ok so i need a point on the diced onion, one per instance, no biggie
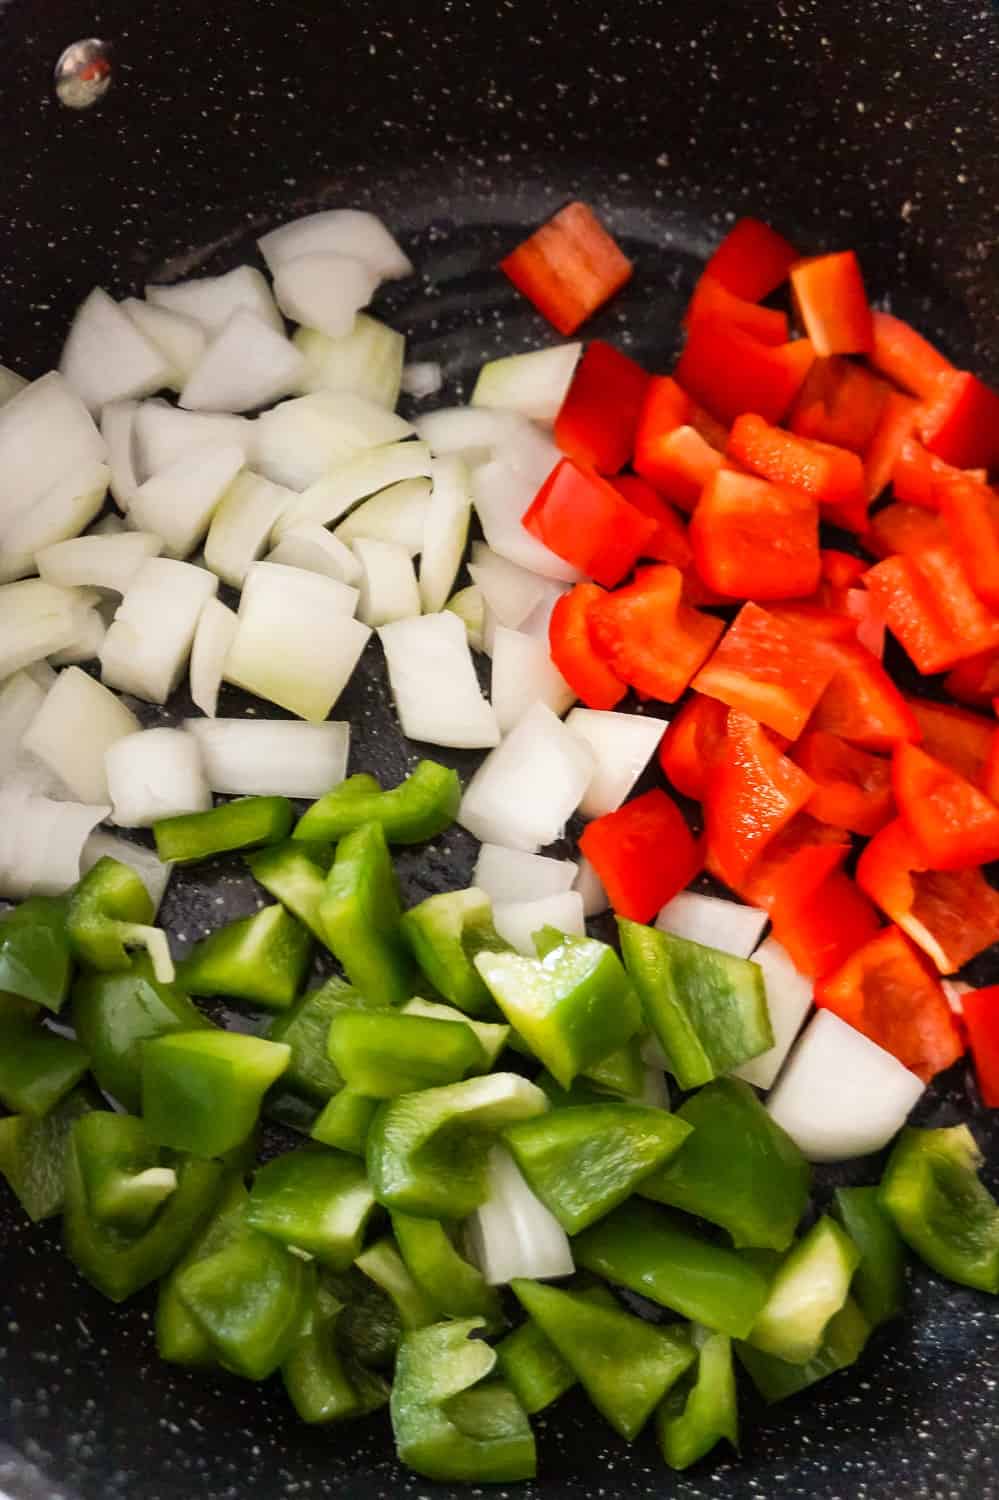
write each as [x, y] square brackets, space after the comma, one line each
[445, 531]
[41, 842]
[501, 496]
[146, 648]
[337, 231]
[38, 619]
[162, 434]
[470, 607]
[212, 300]
[242, 524]
[62, 512]
[106, 357]
[46, 433]
[433, 682]
[511, 592]
[534, 384]
[511, 875]
[151, 870]
[180, 340]
[155, 774]
[655, 1089]
[246, 365]
[298, 441]
[524, 673]
[316, 550]
[91, 628]
[11, 384]
[714, 922]
[324, 291]
[538, 622]
[352, 480]
[212, 642]
[178, 502]
[469, 430]
[20, 699]
[422, 378]
[117, 428]
[367, 361]
[100, 562]
[526, 790]
[518, 921]
[622, 745]
[513, 1234]
[271, 757]
[789, 999]
[388, 587]
[397, 515]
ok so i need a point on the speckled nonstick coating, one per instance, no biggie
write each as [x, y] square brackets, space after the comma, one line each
[461, 123]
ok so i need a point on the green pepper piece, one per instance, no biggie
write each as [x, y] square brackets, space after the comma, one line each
[941, 1207]
[583, 1161]
[315, 1199]
[201, 1090]
[35, 957]
[323, 1383]
[579, 1091]
[125, 1180]
[115, 1013]
[653, 1253]
[16, 1008]
[179, 1337]
[370, 1327]
[878, 1285]
[120, 1265]
[625, 1365]
[383, 1265]
[419, 808]
[263, 958]
[810, 1286]
[295, 874]
[572, 1007]
[439, 1432]
[385, 1053]
[427, 1152]
[708, 1009]
[492, 1036]
[345, 1122]
[37, 1068]
[111, 911]
[842, 1345]
[305, 1027]
[445, 933]
[285, 1107]
[360, 914]
[620, 1073]
[241, 824]
[531, 1365]
[453, 1286]
[33, 1154]
[694, 1418]
[738, 1168]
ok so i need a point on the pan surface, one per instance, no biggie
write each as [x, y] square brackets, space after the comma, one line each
[462, 125]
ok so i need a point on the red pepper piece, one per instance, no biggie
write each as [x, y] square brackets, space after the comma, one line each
[906, 530]
[711, 299]
[573, 652]
[989, 778]
[815, 620]
[902, 354]
[683, 464]
[954, 823]
[931, 608]
[568, 267]
[693, 743]
[959, 421]
[861, 703]
[975, 680]
[971, 512]
[917, 475]
[754, 539]
[840, 403]
[669, 542]
[581, 517]
[981, 1019]
[677, 470]
[885, 990]
[898, 417]
[821, 930]
[841, 570]
[754, 792]
[835, 476]
[959, 738]
[765, 669]
[828, 291]
[598, 419]
[648, 637]
[852, 787]
[795, 864]
[644, 853]
[730, 372]
[752, 260]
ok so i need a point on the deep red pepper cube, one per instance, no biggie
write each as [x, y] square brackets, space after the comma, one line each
[644, 854]
[582, 518]
[598, 418]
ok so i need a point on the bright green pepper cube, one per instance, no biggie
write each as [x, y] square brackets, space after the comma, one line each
[315, 1199]
[385, 1053]
[295, 875]
[842, 1345]
[243, 823]
[369, 1328]
[531, 1365]
[179, 1338]
[941, 1207]
[323, 1383]
[445, 933]
[584, 1161]
[35, 957]
[360, 915]
[263, 958]
[125, 1180]
[492, 1036]
[305, 1027]
[419, 808]
[738, 1169]
[202, 1090]
[620, 1073]
[453, 1286]
[572, 1007]
[810, 1287]
[33, 1153]
[878, 1285]
[111, 911]
[383, 1265]
[694, 1418]
[37, 1068]
[345, 1121]
[707, 1008]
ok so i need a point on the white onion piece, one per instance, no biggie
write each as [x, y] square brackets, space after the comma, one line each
[465, 429]
[470, 607]
[511, 875]
[38, 619]
[180, 340]
[117, 428]
[46, 433]
[146, 648]
[534, 384]
[62, 512]
[518, 921]
[316, 550]
[388, 587]
[41, 674]
[20, 699]
[396, 515]
[445, 531]
[524, 673]
[513, 1234]
[422, 378]
[368, 361]
[622, 745]
[178, 502]
[100, 562]
[106, 357]
[714, 922]
[164, 434]
[272, 757]
[351, 480]
[212, 642]
[212, 300]
[152, 871]
[41, 842]
[242, 524]
[433, 682]
[501, 496]
[296, 644]
[526, 790]
[110, 524]
[840, 1095]
[156, 773]
[248, 364]
[337, 231]
[324, 291]
[510, 592]
[789, 999]
[301, 440]
[538, 622]
[91, 628]
[11, 384]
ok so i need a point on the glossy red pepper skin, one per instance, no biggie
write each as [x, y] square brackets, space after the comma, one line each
[828, 291]
[821, 930]
[970, 511]
[931, 608]
[754, 792]
[835, 476]
[568, 267]
[959, 421]
[840, 403]
[711, 299]
[954, 823]
[597, 421]
[981, 1018]
[906, 531]
[897, 420]
[583, 518]
[961, 739]
[752, 260]
[730, 372]
[673, 464]
[752, 538]
[648, 637]
[917, 475]
[644, 854]
[693, 743]
[861, 703]
[795, 863]
[902, 354]
[573, 651]
[764, 669]
[975, 680]
[684, 463]
[853, 788]
[669, 542]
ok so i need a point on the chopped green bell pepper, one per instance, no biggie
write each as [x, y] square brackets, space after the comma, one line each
[580, 1091]
[284, 1107]
[384, 1053]
[694, 1418]
[305, 1028]
[323, 1382]
[453, 1286]
[427, 1152]
[37, 1068]
[370, 1327]
[110, 911]
[651, 1252]
[125, 1178]
[15, 1008]
[941, 1207]
[583, 1161]
[295, 874]
[360, 914]
[35, 956]
[448, 1425]
[842, 1345]
[809, 1288]
[737, 1169]
[707, 1008]
[315, 1199]
[33, 1153]
[202, 1090]
[878, 1285]
[419, 808]
[445, 933]
[383, 1265]
[263, 958]
[345, 1121]
[241, 824]
[492, 1036]
[179, 1337]
[531, 1365]
[620, 1073]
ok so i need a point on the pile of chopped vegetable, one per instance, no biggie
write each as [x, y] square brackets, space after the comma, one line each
[485, 1144]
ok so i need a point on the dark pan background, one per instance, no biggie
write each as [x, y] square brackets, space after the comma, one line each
[462, 123]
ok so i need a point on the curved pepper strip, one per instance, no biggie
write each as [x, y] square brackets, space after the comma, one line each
[693, 743]
[295, 875]
[345, 1121]
[383, 1265]
[941, 1207]
[361, 916]
[453, 1286]
[878, 1284]
[809, 1288]
[954, 824]
[648, 636]
[179, 1338]
[241, 824]
[385, 1053]
[694, 1418]
[317, 1200]
[444, 934]
[531, 1365]
[419, 808]
[573, 650]
[124, 1175]
[323, 1382]
[582, 518]
[33, 1153]
[835, 476]
[776, 1379]
[753, 793]
[35, 957]
[111, 910]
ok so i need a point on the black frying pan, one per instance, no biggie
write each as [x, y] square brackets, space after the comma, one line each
[462, 122]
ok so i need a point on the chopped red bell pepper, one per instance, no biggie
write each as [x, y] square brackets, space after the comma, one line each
[906, 530]
[573, 651]
[568, 267]
[828, 291]
[754, 791]
[869, 619]
[954, 823]
[975, 680]
[961, 739]
[730, 372]
[648, 637]
[971, 512]
[852, 787]
[931, 608]
[989, 777]
[841, 570]
[682, 464]
[981, 1020]
[755, 539]
[644, 854]
[693, 743]
[917, 475]
[598, 419]
[765, 669]
[752, 260]
[898, 417]
[814, 620]
[711, 299]
[835, 476]
[820, 930]
[902, 354]
[886, 991]
[861, 704]
[669, 542]
[581, 517]
[840, 403]
[959, 421]
[795, 864]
